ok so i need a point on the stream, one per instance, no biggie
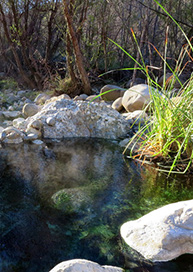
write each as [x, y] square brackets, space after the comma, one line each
[66, 200]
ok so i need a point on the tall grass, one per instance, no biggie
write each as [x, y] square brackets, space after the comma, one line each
[167, 137]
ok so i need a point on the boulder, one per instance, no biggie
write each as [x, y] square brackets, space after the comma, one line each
[11, 114]
[30, 109]
[41, 98]
[55, 98]
[80, 97]
[35, 127]
[171, 79]
[93, 98]
[136, 97]
[111, 95]
[163, 234]
[12, 135]
[137, 81]
[117, 104]
[19, 123]
[11, 98]
[80, 265]
[79, 119]
[137, 116]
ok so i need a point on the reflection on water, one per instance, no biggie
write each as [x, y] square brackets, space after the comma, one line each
[68, 200]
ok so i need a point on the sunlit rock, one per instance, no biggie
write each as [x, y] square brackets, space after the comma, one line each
[80, 265]
[41, 98]
[111, 92]
[117, 104]
[163, 234]
[12, 135]
[138, 116]
[80, 119]
[136, 97]
[30, 109]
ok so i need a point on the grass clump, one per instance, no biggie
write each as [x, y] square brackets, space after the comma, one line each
[167, 137]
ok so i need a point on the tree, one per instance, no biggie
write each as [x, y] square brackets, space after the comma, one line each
[29, 32]
[76, 46]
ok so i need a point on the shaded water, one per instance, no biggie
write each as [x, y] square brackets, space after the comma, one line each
[68, 200]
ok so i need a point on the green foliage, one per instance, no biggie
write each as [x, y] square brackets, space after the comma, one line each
[167, 135]
[8, 83]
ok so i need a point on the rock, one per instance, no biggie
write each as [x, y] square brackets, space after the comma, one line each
[170, 79]
[136, 97]
[19, 123]
[80, 119]
[137, 81]
[117, 104]
[37, 142]
[37, 124]
[12, 135]
[80, 97]
[11, 98]
[55, 98]
[21, 93]
[10, 108]
[35, 127]
[76, 98]
[1, 130]
[11, 114]
[30, 109]
[124, 142]
[31, 137]
[7, 123]
[93, 98]
[80, 265]
[51, 121]
[137, 116]
[163, 234]
[111, 95]
[41, 98]
[83, 96]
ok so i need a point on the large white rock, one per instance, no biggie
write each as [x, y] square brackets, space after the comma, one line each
[80, 119]
[136, 97]
[162, 234]
[80, 265]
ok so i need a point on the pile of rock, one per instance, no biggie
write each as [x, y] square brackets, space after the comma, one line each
[84, 116]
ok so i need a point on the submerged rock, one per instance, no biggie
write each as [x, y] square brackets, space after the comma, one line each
[80, 265]
[163, 234]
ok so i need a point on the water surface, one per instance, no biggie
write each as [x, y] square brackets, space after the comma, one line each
[68, 200]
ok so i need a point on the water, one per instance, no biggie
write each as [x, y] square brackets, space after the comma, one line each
[68, 200]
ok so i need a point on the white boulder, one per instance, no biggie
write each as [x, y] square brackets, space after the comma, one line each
[80, 265]
[136, 97]
[163, 234]
[79, 119]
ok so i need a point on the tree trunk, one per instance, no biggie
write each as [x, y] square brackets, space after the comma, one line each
[77, 51]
